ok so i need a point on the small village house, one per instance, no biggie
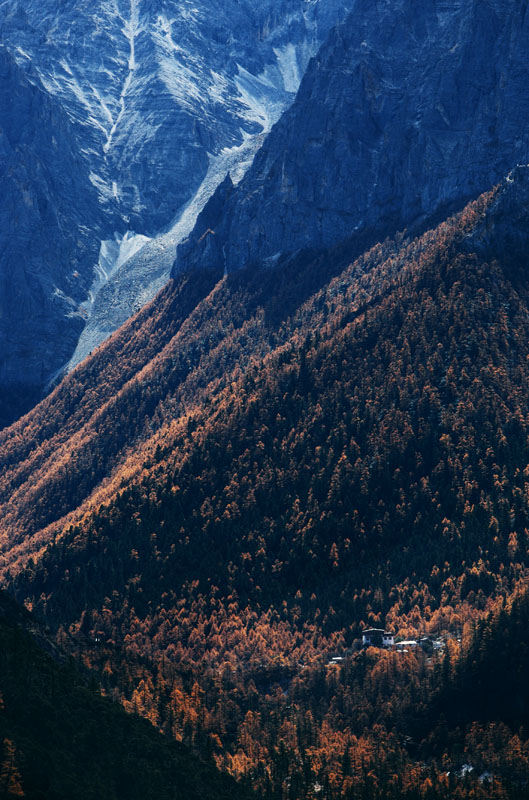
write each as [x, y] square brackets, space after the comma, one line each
[377, 637]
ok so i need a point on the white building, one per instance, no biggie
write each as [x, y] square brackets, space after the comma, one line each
[377, 637]
[407, 644]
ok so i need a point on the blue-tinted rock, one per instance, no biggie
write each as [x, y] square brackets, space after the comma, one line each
[408, 110]
[49, 218]
[154, 94]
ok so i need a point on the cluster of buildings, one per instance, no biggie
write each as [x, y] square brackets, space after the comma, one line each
[378, 637]
[385, 640]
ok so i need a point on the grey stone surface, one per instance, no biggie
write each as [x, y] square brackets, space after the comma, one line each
[49, 217]
[157, 85]
[409, 109]
[157, 95]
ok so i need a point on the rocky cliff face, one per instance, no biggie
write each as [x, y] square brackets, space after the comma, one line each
[159, 99]
[49, 218]
[156, 85]
[408, 109]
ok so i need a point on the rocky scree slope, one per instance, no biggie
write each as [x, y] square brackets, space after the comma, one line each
[163, 99]
[407, 111]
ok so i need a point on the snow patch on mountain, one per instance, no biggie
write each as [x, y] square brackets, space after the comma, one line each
[218, 88]
[181, 81]
[287, 58]
[164, 99]
[258, 96]
[130, 30]
[105, 191]
[113, 253]
[133, 268]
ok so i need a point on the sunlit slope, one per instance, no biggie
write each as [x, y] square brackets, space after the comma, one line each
[380, 422]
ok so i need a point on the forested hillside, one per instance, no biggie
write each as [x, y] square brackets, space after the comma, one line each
[219, 500]
[59, 739]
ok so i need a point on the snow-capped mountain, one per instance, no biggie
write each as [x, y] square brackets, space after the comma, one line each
[164, 98]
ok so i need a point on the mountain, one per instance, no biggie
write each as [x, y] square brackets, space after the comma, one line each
[142, 409]
[278, 452]
[49, 215]
[259, 465]
[159, 102]
[60, 739]
[156, 101]
[406, 112]
[157, 87]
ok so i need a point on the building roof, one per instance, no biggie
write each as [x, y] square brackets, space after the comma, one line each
[377, 630]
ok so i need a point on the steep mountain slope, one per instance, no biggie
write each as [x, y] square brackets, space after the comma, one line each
[157, 86]
[241, 478]
[162, 99]
[408, 110]
[211, 340]
[60, 740]
[49, 216]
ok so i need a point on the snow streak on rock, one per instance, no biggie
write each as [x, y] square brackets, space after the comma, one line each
[164, 97]
[130, 32]
[132, 269]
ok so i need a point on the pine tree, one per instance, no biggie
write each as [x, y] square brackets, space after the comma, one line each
[10, 778]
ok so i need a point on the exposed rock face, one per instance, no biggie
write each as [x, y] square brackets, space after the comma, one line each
[161, 97]
[409, 109]
[406, 110]
[157, 85]
[49, 218]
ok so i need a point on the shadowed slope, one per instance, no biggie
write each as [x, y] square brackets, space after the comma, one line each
[372, 372]
[60, 740]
